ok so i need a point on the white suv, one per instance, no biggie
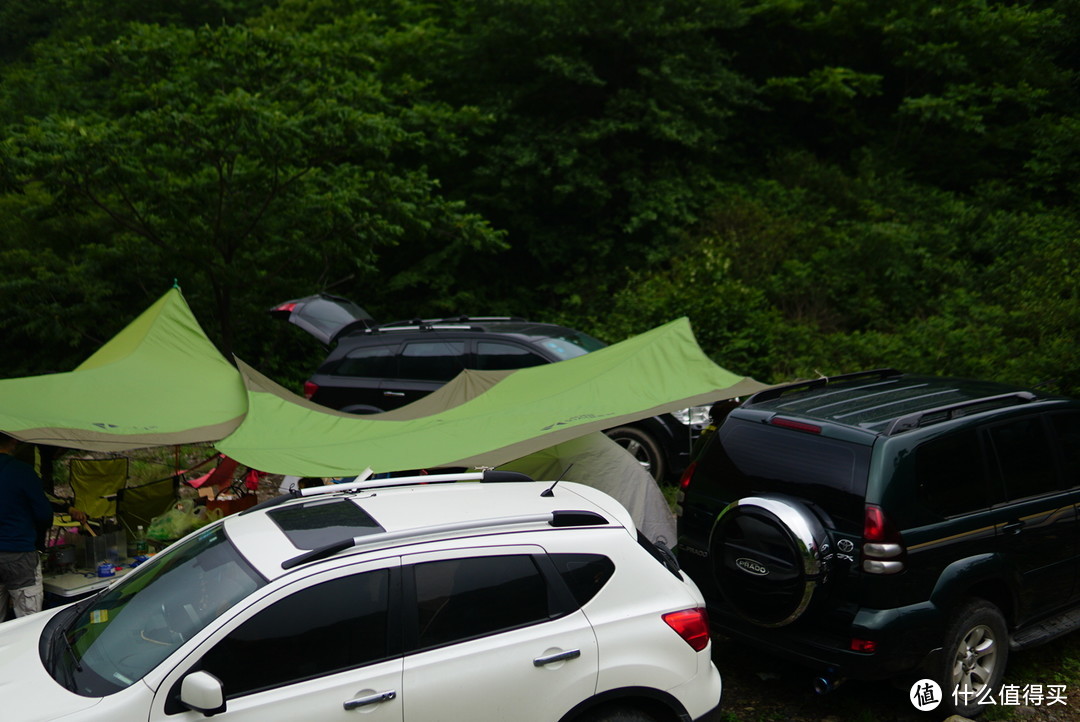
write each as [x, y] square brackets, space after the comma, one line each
[400, 599]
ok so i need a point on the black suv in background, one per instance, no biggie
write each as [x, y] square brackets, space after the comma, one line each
[880, 525]
[375, 367]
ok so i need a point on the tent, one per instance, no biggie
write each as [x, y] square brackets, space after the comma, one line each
[597, 461]
[522, 412]
[158, 382]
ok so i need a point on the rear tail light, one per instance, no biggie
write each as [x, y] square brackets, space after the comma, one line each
[867, 646]
[883, 550]
[310, 389]
[285, 307]
[684, 480]
[692, 625]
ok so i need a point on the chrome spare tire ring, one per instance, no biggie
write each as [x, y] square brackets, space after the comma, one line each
[747, 570]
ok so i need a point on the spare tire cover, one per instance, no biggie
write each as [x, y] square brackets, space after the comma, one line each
[768, 556]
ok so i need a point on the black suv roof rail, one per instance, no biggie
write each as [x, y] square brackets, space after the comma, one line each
[456, 323]
[778, 391]
[951, 411]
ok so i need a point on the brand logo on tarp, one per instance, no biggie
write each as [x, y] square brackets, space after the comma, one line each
[751, 566]
[575, 420]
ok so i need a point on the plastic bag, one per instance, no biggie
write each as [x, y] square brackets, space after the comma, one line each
[181, 519]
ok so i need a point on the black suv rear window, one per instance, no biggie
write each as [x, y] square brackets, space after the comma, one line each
[755, 458]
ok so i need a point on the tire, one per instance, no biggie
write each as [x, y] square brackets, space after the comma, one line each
[974, 656]
[643, 447]
[361, 410]
[618, 713]
[769, 556]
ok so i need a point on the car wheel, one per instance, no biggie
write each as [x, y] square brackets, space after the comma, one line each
[769, 556]
[618, 713]
[642, 447]
[974, 657]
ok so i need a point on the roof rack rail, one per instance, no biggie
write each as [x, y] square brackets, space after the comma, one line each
[489, 476]
[778, 391]
[557, 518]
[466, 318]
[952, 411]
[445, 319]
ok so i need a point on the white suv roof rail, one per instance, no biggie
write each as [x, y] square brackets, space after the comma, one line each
[557, 518]
[488, 475]
[364, 482]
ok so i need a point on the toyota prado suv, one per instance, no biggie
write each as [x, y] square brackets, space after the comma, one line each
[880, 525]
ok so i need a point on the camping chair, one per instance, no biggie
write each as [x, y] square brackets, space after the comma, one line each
[95, 482]
[136, 506]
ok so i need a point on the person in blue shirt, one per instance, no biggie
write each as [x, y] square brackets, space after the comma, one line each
[24, 513]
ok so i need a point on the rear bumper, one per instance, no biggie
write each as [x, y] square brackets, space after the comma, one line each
[701, 695]
[907, 638]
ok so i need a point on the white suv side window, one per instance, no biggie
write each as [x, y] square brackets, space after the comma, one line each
[337, 625]
[460, 599]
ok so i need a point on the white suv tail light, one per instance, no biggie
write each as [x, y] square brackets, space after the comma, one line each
[692, 625]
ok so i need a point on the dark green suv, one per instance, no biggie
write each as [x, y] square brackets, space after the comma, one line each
[880, 525]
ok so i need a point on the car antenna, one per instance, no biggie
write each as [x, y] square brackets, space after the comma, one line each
[548, 491]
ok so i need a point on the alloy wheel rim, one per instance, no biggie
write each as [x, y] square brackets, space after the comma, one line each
[974, 664]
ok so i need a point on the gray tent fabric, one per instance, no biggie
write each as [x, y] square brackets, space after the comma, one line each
[597, 461]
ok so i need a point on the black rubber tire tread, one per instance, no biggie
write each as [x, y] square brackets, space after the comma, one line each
[618, 713]
[974, 613]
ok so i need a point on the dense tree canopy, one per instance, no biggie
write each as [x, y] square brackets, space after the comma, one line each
[820, 185]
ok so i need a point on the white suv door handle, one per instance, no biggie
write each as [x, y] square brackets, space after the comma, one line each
[370, 699]
[560, 657]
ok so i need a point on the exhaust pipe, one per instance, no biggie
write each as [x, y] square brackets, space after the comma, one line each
[827, 683]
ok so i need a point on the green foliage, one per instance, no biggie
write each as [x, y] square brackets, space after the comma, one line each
[820, 185]
[607, 128]
[241, 159]
[834, 273]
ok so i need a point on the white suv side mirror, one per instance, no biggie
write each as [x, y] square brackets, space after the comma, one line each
[202, 692]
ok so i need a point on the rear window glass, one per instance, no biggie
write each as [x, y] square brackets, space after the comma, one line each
[432, 361]
[315, 524]
[492, 356]
[1025, 459]
[755, 458]
[1067, 428]
[462, 599]
[950, 476]
[377, 362]
[570, 344]
[584, 574]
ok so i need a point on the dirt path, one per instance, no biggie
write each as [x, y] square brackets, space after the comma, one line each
[760, 688]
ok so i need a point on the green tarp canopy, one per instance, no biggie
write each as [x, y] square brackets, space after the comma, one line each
[158, 382]
[524, 411]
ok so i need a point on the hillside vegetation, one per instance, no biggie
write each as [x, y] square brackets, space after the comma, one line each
[820, 186]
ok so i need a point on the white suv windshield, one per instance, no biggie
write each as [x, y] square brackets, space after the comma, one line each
[111, 641]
